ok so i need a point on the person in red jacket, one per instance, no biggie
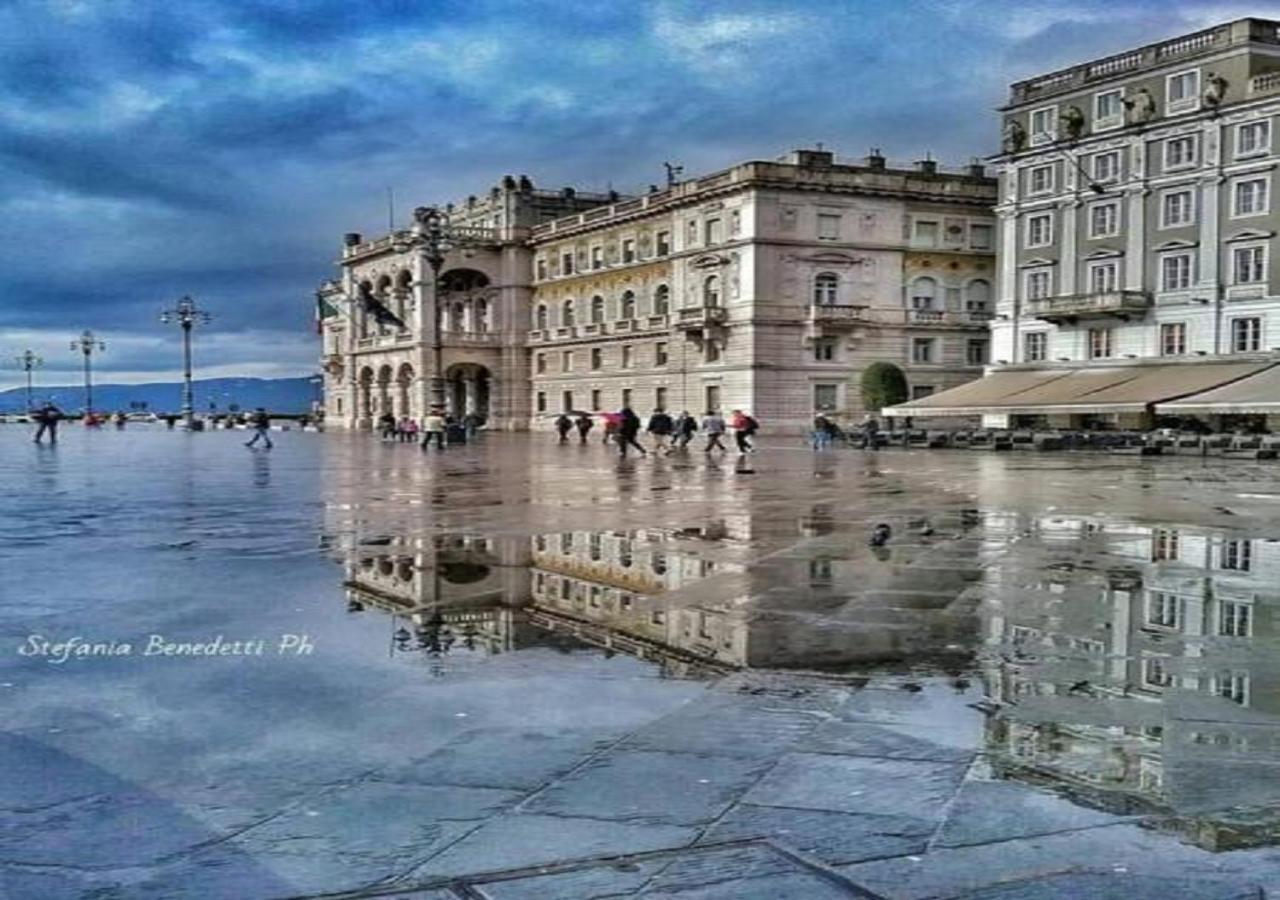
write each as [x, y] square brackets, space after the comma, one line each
[744, 428]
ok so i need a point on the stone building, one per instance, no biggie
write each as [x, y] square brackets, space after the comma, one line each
[1136, 225]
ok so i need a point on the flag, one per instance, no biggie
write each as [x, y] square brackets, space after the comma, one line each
[376, 308]
[324, 309]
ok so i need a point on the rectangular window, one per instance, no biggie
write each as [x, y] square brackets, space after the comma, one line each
[542, 401]
[1106, 167]
[926, 233]
[1177, 208]
[1104, 220]
[1249, 197]
[1104, 277]
[714, 234]
[1246, 335]
[1182, 92]
[1253, 138]
[1235, 619]
[662, 244]
[825, 397]
[595, 399]
[540, 363]
[1237, 556]
[1044, 125]
[710, 351]
[976, 353]
[566, 264]
[1040, 230]
[567, 401]
[1249, 264]
[824, 349]
[660, 354]
[1108, 110]
[597, 257]
[828, 227]
[566, 361]
[691, 234]
[1099, 343]
[626, 356]
[922, 350]
[981, 237]
[629, 250]
[1180, 152]
[712, 395]
[1173, 339]
[1038, 285]
[1164, 545]
[735, 223]
[626, 396]
[1163, 610]
[1040, 180]
[597, 357]
[1233, 686]
[542, 270]
[1035, 346]
[920, 391]
[660, 398]
[1175, 271]
[1155, 672]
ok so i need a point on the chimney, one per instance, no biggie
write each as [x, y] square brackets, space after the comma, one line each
[875, 160]
[613, 196]
[653, 189]
[812, 159]
[525, 184]
[567, 193]
[351, 238]
[508, 183]
[927, 166]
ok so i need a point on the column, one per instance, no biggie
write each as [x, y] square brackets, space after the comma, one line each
[1068, 264]
[1135, 256]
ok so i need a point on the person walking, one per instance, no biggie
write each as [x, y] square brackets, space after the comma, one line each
[563, 426]
[611, 422]
[433, 426]
[411, 431]
[387, 426]
[260, 422]
[472, 422]
[821, 435]
[46, 418]
[685, 428]
[661, 426]
[584, 425]
[628, 428]
[713, 426]
[870, 433]
[744, 427]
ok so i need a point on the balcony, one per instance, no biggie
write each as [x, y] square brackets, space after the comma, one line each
[948, 318]
[836, 316]
[471, 339]
[700, 318]
[1118, 304]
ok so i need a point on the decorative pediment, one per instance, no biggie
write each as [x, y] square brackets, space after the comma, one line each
[833, 258]
[709, 261]
[1037, 262]
[1176, 245]
[1105, 253]
[1250, 234]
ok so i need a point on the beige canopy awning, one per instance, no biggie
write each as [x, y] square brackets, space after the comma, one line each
[1097, 389]
[1258, 393]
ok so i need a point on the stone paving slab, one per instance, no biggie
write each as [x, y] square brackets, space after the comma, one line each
[987, 811]
[791, 886]
[654, 787]
[727, 726]
[858, 784]
[1092, 886]
[590, 883]
[831, 837]
[868, 739]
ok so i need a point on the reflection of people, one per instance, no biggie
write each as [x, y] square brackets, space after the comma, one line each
[563, 426]
[584, 425]
[46, 419]
[261, 424]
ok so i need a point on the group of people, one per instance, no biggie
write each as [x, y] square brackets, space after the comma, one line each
[434, 428]
[668, 434]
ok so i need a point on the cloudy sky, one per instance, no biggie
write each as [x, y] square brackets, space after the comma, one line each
[221, 147]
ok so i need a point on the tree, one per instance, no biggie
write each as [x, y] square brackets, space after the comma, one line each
[883, 384]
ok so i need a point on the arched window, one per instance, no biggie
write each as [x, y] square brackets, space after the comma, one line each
[628, 306]
[923, 290]
[597, 310]
[977, 296]
[826, 288]
[711, 291]
[540, 317]
[661, 300]
[566, 314]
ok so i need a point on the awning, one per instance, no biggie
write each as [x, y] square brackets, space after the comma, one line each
[1096, 389]
[1258, 393]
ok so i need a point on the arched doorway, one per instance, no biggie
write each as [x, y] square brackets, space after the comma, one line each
[384, 390]
[467, 389]
[404, 393]
[366, 393]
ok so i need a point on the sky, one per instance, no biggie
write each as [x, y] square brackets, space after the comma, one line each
[220, 148]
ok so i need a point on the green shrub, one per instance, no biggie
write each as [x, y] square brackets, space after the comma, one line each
[883, 384]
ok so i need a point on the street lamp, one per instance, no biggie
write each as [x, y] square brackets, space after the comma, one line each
[187, 315]
[29, 363]
[88, 344]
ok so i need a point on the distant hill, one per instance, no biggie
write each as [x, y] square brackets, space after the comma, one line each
[282, 395]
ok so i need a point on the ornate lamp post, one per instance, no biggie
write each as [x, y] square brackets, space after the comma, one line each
[29, 363]
[187, 316]
[88, 344]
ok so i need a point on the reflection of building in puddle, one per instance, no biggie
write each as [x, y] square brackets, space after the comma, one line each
[1135, 668]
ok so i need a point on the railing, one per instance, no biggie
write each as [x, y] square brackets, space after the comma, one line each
[1110, 303]
[1114, 65]
[1266, 83]
[830, 313]
[698, 316]
[658, 321]
[472, 338]
[1189, 44]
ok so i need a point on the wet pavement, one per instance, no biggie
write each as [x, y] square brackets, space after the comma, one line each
[524, 671]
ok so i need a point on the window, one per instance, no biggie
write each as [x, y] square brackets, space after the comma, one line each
[1249, 264]
[542, 270]
[826, 288]
[1237, 556]
[926, 233]
[977, 296]
[1253, 138]
[659, 398]
[691, 234]
[567, 401]
[540, 318]
[1155, 672]
[828, 227]
[824, 349]
[1164, 545]
[1038, 284]
[1035, 346]
[542, 401]
[922, 350]
[661, 300]
[597, 357]
[981, 237]
[660, 356]
[1180, 152]
[735, 222]
[711, 291]
[1040, 180]
[1233, 686]
[627, 309]
[1104, 220]
[629, 250]
[1099, 343]
[1173, 339]
[1235, 619]
[566, 263]
[540, 363]
[1044, 125]
[662, 244]
[1104, 277]
[1246, 335]
[710, 352]
[1106, 166]
[597, 257]
[626, 397]
[1108, 110]
[976, 352]
[567, 314]
[712, 396]
[1040, 230]
[825, 397]
[595, 399]
[626, 356]
[1249, 197]
[923, 290]
[920, 391]
[1176, 208]
[1163, 610]
[1175, 271]
[1182, 92]
[714, 231]
[566, 361]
